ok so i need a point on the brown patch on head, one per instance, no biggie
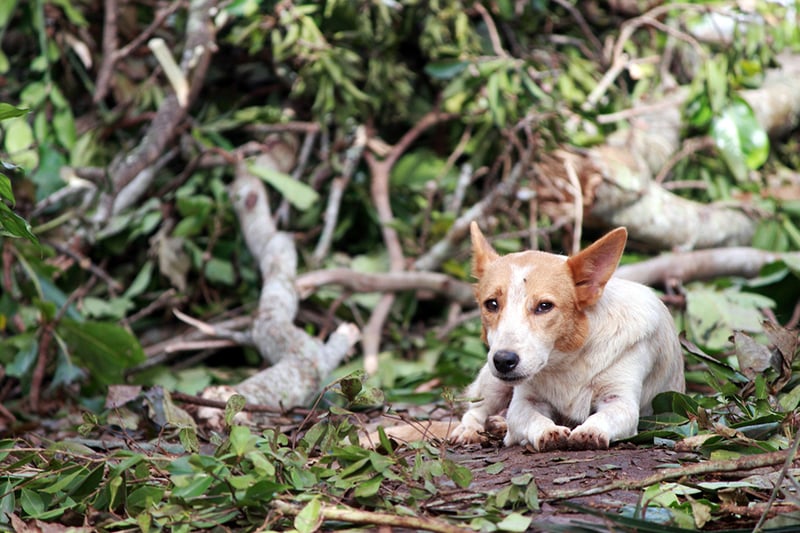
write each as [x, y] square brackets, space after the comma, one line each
[538, 290]
[533, 302]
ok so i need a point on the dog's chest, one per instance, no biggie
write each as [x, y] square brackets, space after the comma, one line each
[568, 392]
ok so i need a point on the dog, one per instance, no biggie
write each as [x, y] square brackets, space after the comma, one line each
[575, 355]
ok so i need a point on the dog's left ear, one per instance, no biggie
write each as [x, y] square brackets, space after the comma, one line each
[593, 267]
[482, 251]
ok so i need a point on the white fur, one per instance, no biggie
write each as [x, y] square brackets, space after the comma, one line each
[597, 392]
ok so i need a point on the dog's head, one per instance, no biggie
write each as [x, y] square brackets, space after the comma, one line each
[533, 303]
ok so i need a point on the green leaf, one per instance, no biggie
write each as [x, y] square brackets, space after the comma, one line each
[296, 192]
[368, 488]
[31, 502]
[233, 406]
[445, 70]
[713, 315]
[106, 349]
[242, 440]
[9, 111]
[6, 192]
[18, 137]
[740, 138]
[515, 522]
[13, 225]
[309, 517]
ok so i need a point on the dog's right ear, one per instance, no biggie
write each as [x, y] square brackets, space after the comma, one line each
[482, 251]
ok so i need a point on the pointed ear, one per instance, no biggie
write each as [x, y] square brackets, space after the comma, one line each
[482, 251]
[593, 267]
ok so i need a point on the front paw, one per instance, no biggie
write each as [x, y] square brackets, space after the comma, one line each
[550, 438]
[554, 438]
[588, 438]
[467, 432]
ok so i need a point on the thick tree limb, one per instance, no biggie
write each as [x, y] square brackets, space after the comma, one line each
[702, 264]
[300, 362]
[617, 177]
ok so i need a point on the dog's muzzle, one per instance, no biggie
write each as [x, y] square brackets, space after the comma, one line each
[505, 361]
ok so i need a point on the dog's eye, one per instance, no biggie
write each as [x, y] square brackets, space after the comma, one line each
[491, 305]
[544, 307]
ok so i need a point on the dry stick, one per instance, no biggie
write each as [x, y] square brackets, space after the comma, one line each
[110, 52]
[339, 184]
[379, 190]
[581, 21]
[282, 213]
[37, 377]
[438, 282]
[577, 198]
[690, 146]
[778, 482]
[749, 462]
[219, 404]
[491, 29]
[444, 248]
[619, 60]
[357, 516]
[198, 46]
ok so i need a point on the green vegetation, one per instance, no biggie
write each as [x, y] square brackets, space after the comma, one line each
[115, 211]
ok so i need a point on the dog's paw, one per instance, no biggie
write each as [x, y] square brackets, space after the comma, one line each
[588, 438]
[553, 438]
[467, 432]
[496, 426]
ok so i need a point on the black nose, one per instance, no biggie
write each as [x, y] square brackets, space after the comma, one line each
[505, 361]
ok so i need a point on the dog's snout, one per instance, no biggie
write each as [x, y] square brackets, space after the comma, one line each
[505, 361]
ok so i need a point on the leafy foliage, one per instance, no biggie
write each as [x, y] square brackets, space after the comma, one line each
[83, 293]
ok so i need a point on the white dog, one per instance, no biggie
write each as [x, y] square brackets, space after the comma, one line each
[574, 354]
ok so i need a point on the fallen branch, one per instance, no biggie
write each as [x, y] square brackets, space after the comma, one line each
[456, 290]
[197, 50]
[299, 361]
[380, 171]
[702, 264]
[617, 177]
[358, 516]
[749, 462]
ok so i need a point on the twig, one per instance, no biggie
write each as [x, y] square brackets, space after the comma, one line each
[585, 29]
[690, 146]
[358, 516]
[86, 264]
[110, 52]
[577, 199]
[491, 29]
[776, 489]
[219, 404]
[198, 46]
[379, 190]
[339, 184]
[749, 462]
[442, 249]
[282, 213]
[459, 291]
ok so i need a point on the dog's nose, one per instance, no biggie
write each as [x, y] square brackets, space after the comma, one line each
[505, 361]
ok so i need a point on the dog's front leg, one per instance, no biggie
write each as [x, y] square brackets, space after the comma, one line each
[529, 422]
[616, 417]
[493, 396]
